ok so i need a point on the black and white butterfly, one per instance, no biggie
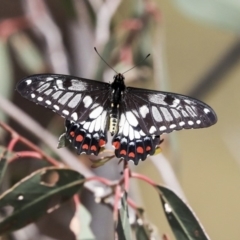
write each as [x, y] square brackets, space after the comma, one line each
[135, 117]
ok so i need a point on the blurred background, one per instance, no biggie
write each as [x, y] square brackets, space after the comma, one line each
[195, 50]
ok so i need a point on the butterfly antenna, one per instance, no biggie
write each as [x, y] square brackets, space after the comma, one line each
[103, 59]
[138, 63]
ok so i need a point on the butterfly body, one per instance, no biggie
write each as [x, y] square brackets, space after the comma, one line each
[135, 117]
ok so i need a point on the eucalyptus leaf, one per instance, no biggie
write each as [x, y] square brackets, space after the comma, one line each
[181, 218]
[123, 225]
[62, 141]
[37, 194]
[3, 162]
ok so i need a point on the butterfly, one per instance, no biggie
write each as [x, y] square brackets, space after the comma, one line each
[135, 117]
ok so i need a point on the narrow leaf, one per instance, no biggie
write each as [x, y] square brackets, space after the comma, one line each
[62, 141]
[38, 194]
[123, 226]
[3, 162]
[181, 218]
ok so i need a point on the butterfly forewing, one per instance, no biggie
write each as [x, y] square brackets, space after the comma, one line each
[72, 97]
[162, 112]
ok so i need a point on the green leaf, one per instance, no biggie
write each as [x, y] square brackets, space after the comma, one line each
[38, 194]
[3, 162]
[62, 141]
[28, 55]
[182, 220]
[222, 13]
[123, 225]
[85, 220]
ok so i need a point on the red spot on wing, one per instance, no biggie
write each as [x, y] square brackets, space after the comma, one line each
[148, 148]
[102, 142]
[139, 150]
[72, 134]
[79, 138]
[123, 152]
[116, 144]
[131, 154]
[93, 148]
[85, 146]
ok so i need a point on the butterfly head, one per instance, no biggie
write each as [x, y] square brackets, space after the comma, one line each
[119, 78]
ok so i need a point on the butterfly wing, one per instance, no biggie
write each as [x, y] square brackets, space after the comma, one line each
[73, 98]
[83, 102]
[146, 114]
[163, 112]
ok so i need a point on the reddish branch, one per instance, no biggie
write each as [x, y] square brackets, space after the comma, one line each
[17, 138]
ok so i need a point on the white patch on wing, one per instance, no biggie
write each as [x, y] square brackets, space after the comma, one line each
[33, 95]
[137, 134]
[91, 128]
[86, 125]
[184, 113]
[48, 91]
[96, 112]
[152, 130]
[103, 120]
[132, 120]
[156, 114]
[77, 85]
[206, 110]
[181, 123]
[175, 113]
[198, 121]
[48, 102]
[187, 101]
[28, 81]
[162, 128]
[131, 133]
[98, 123]
[87, 101]
[59, 84]
[190, 111]
[166, 113]
[49, 79]
[175, 102]
[124, 140]
[56, 107]
[142, 133]
[43, 87]
[126, 129]
[144, 111]
[66, 112]
[172, 126]
[65, 98]
[74, 101]
[190, 122]
[39, 99]
[57, 94]
[74, 116]
[157, 98]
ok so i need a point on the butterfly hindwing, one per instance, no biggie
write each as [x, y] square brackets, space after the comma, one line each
[156, 112]
[89, 139]
[73, 98]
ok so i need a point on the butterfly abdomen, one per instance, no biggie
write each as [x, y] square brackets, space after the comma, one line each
[114, 119]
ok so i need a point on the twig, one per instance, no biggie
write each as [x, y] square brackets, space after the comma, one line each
[40, 17]
[27, 143]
